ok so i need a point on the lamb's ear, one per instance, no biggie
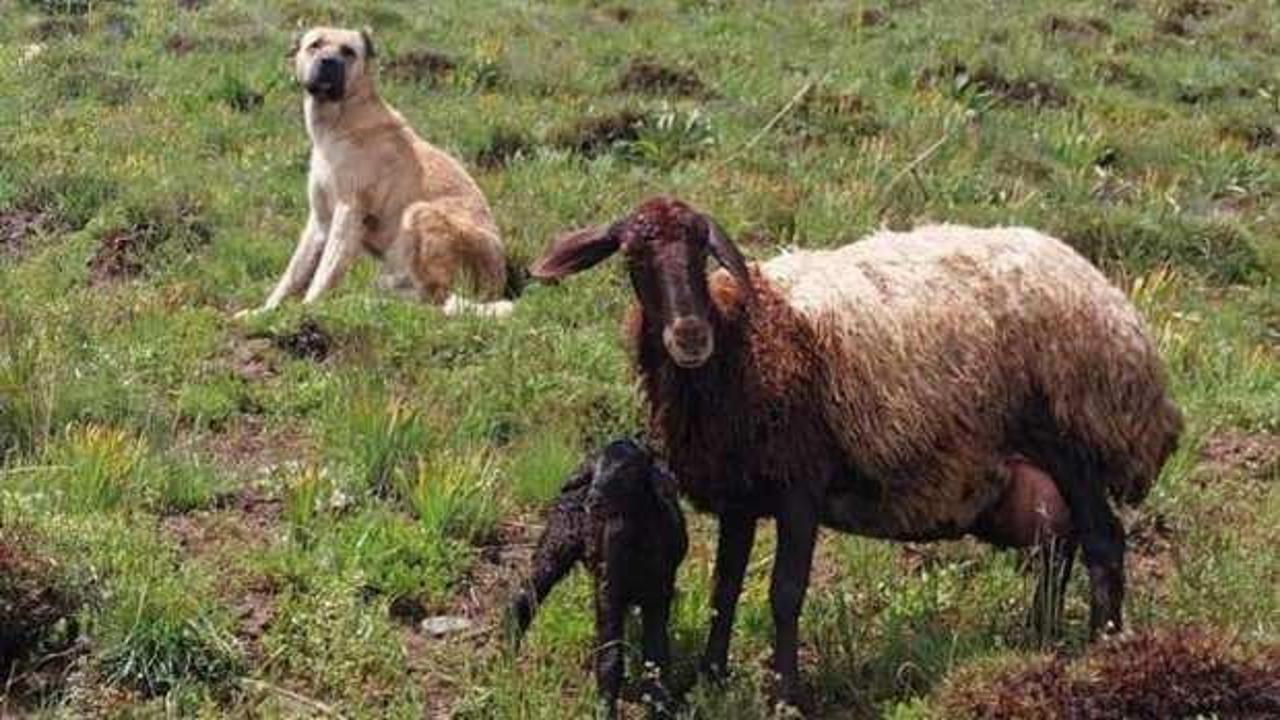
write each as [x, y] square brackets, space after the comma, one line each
[366, 37]
[726, 253]
[576, 251]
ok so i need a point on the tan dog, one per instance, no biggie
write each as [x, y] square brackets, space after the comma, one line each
[375, 186]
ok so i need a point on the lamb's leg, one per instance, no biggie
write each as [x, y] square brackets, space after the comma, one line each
[733, 550]
[558, 549]
[797, 533]
[657, 654]
[610, 621]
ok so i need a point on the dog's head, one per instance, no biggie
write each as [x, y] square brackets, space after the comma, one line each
[334, 64]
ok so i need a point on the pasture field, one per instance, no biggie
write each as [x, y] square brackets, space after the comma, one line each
[201, 517]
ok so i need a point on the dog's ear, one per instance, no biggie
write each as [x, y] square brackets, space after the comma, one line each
[294, 45]
[366, 37]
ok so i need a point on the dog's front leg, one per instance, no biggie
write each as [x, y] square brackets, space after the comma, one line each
[340, 251]
[302, 265]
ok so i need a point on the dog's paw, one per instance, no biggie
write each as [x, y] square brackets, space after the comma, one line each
[455, 305]
[248, 313]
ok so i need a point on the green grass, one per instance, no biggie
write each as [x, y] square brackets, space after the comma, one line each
[182, 467]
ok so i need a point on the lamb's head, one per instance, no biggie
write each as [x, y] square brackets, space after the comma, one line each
[666, 243]
[621, 474]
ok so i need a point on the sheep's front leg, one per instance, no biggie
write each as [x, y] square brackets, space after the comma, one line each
[797, 533]
[737, 535]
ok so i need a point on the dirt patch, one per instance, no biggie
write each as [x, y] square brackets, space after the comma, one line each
[597, 135]
[309, 342]
[1254, 136]
[872, 17]
[37, 620]
[505, 145]
[1118, 72]
[61, 26]
[121, 252]
[179, 44]
[988, 80]
[1152, 547]
[1239, 454]
[483, 592]
[243, 519]
[830, 115]
[248, 447]
[620, 14]
[425, 66]
[1181, 18]
[16, 226]
[648, 75]
[1086, 28]
[1164, 674]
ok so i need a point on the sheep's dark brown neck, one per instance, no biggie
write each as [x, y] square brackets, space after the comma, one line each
[746, 423]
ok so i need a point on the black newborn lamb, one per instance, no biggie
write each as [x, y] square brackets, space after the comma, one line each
[618, 514]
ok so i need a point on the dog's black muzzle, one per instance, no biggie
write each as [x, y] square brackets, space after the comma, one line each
[327, 79]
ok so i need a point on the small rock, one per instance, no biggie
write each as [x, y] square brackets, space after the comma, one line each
[442, 625]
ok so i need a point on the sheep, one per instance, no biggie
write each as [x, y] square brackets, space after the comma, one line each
[911, 386]
[619, 516]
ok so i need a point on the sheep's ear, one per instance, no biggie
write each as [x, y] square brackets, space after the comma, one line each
[366, 37]
[576, 251]
[726, 253]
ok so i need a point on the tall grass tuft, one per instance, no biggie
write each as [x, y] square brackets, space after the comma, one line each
[155, 636]
[94, 468]
[455, 495]
[388, 438]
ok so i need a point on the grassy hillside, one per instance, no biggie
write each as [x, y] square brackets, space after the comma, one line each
[207, 517]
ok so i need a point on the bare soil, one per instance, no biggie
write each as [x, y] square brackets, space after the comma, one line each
[649, 75]
[504, 145]
[37, 622]
[17, 226]
[1027, 90]
[596, 135]
[1182, 673]
[309, 342]
[1253, 456]
[1071, 28]
[423, 65]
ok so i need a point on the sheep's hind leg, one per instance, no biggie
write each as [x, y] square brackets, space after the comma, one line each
[1102, 542]
[733, 550]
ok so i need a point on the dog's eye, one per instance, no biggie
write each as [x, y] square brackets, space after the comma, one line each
[315, 45]
[347, 51]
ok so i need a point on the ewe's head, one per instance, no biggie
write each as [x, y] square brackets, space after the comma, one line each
[666, 243]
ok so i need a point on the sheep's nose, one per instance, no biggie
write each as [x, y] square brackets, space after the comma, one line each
[689, 341]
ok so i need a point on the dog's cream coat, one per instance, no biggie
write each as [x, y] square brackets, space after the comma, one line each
[375, 186]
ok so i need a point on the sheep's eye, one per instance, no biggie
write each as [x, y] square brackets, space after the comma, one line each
[347, 51]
